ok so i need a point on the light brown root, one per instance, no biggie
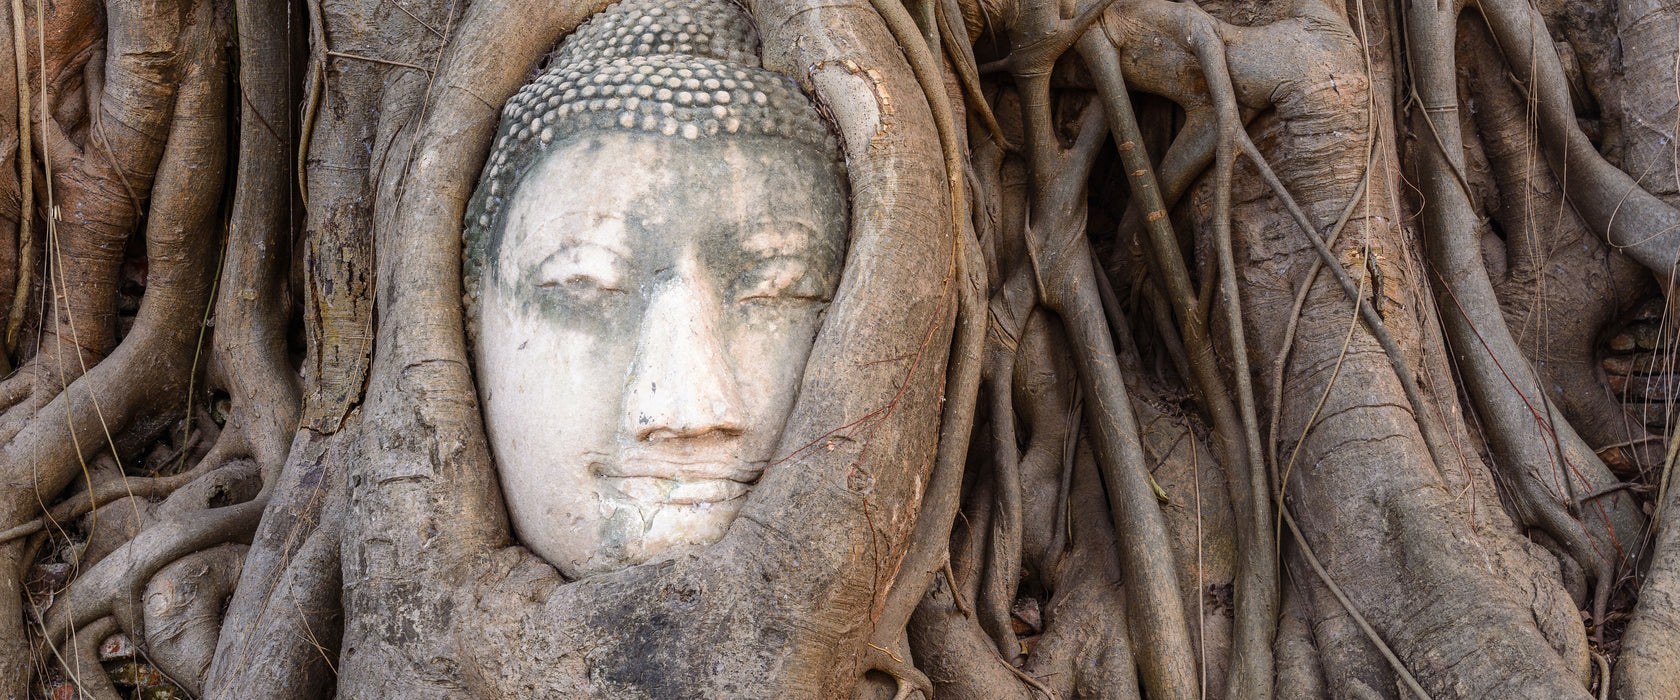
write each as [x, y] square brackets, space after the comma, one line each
[909, 679]
[113, 586]
[183, 612]
[143, 487]
[83, 665]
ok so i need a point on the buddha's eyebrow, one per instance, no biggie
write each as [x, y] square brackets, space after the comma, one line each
[580, 228]
[781, 236]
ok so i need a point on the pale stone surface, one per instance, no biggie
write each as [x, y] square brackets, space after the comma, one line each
[645, 315]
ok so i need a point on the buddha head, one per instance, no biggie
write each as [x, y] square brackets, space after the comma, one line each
[652, 244]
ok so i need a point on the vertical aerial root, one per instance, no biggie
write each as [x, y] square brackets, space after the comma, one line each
[1547, 461]
[1001, 574]
[253, 307]
[928, 548]
[1063, 260]
[1256, 584]
[26, 176]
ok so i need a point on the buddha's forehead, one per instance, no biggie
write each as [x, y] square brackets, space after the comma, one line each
[626, 192]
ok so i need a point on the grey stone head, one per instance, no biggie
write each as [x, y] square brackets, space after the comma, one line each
[649, 253]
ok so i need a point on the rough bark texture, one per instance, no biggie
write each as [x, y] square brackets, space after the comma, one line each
[1246, 350]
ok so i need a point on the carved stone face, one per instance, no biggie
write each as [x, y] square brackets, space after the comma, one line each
[644, 323]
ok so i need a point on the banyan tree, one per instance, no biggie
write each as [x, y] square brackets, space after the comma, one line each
[839, 348]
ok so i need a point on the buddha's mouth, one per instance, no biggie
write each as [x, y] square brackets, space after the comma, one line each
[691, 474]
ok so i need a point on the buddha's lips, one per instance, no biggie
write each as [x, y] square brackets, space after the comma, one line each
[681, 472]
[694, 462]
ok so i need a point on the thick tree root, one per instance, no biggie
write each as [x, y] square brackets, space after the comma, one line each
[82, 661]
[183, 612]
[113, 587]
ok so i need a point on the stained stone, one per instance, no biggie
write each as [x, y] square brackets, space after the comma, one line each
[647, 259]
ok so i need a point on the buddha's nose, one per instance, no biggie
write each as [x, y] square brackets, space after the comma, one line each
[682, 384]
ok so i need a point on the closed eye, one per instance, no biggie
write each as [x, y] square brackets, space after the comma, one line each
[579, 283]
[781, 279]
[580, 269]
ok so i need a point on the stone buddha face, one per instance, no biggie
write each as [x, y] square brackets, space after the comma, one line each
[644, 318]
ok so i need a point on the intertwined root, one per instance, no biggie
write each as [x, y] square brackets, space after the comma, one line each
[1366, 456]
[1389, 350]
[131, 117]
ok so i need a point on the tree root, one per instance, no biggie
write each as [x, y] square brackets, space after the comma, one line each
[1237, 430]
[113, 587]
[183, 612]
[143, 372]
[1546, 461]
[909, 679]
[1001, 574]
[1063, 262]
[928, 549]
[110, 491]
[1558, 285]
[83, 665]
[26, 180]
[1630, 218]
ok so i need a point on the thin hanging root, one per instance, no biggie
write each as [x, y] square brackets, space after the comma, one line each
[961, 51]
[1376, 640]
[312, 102]
[1031, 682]
[1003, 563]
[1063, 537]
[1307, 281]
[1335, 371]
[1554, 519]
[1250, 667]
[26, 175]
[956, 595]
[1397, 359]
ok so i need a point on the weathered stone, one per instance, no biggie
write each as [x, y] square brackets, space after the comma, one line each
[646, 289]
